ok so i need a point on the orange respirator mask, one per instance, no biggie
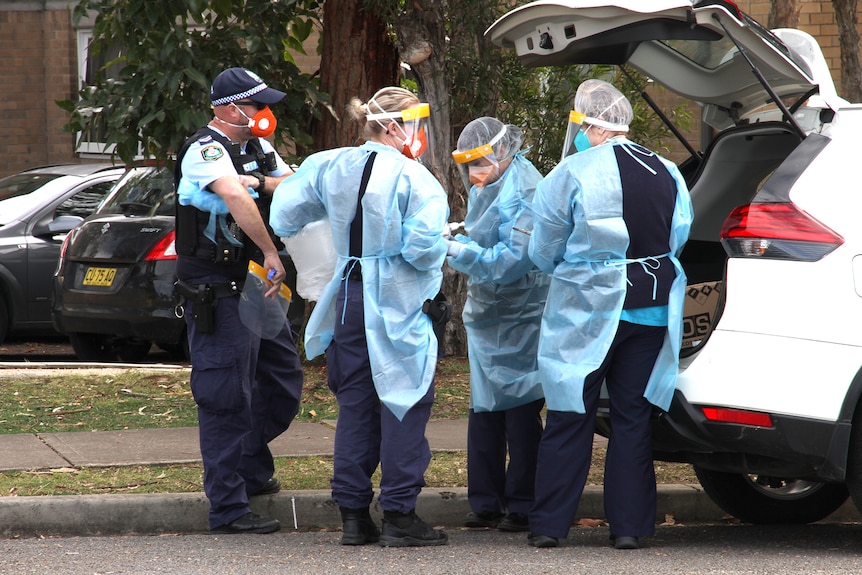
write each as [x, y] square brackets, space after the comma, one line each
[262, 124]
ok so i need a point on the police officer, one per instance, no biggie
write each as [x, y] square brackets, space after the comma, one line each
[247, 389]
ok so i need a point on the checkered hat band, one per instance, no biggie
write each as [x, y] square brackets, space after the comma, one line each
[247, 94]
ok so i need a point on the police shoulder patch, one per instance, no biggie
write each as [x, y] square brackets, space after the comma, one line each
[212, 153]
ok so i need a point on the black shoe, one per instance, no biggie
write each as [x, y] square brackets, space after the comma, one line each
[482, 519]
[536, 540]
[514, 522]
[625, 542]
[358, 527]
[271, 486]
[249, 523]
[407, 530]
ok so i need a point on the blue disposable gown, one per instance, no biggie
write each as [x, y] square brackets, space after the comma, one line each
[404, 212]
[505, 294]
[579, 237]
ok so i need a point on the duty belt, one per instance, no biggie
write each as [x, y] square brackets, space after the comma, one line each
[204, 298]
[217, 289]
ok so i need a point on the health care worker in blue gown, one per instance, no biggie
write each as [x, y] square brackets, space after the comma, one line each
[247, 389]
[610, 222]
[505, 298]
[380, 347]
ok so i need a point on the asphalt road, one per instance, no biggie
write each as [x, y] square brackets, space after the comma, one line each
[691, 550]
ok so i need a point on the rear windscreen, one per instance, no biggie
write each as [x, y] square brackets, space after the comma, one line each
[142, 192]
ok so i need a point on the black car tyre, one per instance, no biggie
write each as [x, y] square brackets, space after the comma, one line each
[4, 319]
[854, 460]
[93, 347]
[760, 499]
[133, 351]
[179, 351]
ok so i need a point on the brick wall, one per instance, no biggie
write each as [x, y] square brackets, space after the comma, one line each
[39, 67]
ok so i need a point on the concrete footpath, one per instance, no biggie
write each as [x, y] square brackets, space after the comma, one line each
[305, 509]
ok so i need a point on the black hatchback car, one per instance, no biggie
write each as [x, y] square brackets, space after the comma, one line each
[114, 292]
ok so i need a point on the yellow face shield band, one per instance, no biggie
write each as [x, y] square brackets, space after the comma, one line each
[471, 155]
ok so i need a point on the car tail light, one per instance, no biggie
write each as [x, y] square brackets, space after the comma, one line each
[779, 231]
[164, 250]
[65, 245]
[725, 415]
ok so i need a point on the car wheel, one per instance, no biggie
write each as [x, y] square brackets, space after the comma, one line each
[854, 460]
[4, 319]
[762, 499]
[134, 351]
[93, 347]
[180, 350]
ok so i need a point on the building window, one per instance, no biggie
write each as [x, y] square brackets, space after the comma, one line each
[91, 69]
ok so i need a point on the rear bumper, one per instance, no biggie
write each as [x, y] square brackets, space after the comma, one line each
[140, 314]
[794, 447]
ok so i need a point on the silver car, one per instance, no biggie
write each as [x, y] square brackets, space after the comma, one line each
[38, 207]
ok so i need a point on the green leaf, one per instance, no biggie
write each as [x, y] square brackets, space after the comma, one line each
[161, 94]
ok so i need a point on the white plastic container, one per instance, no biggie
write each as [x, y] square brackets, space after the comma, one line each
[314, 256]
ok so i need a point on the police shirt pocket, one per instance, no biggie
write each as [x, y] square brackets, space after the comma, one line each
[216, 381]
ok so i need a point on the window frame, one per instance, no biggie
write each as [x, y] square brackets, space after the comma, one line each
[88, 148]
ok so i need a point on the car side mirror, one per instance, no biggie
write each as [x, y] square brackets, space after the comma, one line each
[64, 224]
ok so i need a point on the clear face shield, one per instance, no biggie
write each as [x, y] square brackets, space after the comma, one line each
[576, 120]
[479, 166]
[413, 129]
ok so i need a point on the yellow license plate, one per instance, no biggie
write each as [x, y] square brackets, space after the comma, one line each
[103, 277]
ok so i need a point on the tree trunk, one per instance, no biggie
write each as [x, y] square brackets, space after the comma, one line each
[421, 33]
[358, 58]
[848, 39]
[784, 14]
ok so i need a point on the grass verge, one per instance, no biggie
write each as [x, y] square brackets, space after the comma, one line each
[58, 401]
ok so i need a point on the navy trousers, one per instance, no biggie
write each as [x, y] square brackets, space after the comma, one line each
[565, 451]
[276, 395]
[492, 487]
[368, 433]
[246, 396]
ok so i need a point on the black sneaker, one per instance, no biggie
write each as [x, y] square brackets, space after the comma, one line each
[514, 522]
[248, 523]
[482, 519]
[407, 530]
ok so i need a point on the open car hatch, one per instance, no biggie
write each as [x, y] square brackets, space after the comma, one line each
[689, 47]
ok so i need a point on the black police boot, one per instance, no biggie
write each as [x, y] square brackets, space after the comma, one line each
[358, 527]
[407, 530]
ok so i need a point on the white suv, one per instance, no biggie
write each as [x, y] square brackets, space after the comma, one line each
[766, 407]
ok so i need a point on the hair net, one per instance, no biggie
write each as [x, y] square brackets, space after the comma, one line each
[505, 139]
[603, 105]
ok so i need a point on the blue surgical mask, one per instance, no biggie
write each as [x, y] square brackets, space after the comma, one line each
[582, 142]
